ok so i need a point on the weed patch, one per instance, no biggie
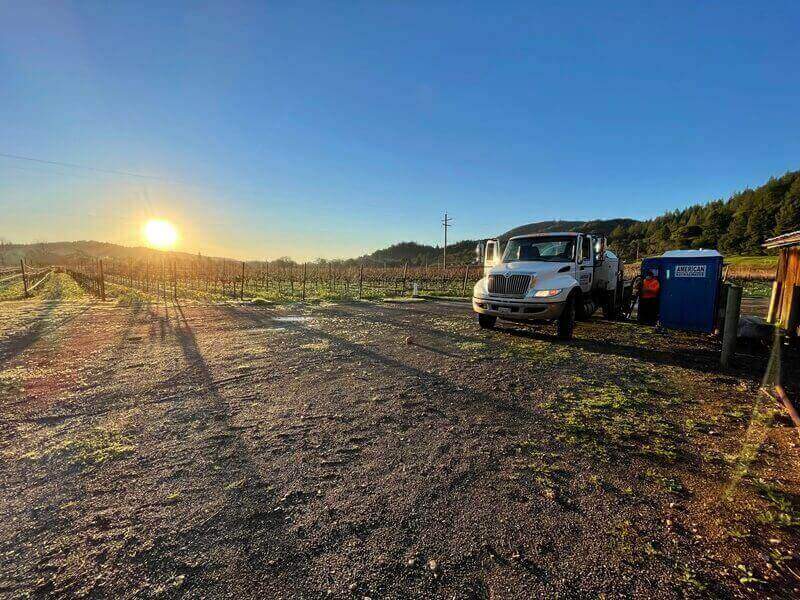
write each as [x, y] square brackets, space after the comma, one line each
[782, 512]
[472, 346]
[543, 468]
[317, 346]
[96, 447]
[670, 484]
[539, 352]
[619, 417]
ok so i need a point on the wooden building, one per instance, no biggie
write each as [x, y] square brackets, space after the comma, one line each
[784, 306]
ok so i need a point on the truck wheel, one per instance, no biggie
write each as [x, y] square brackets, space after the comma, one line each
[566, 322]
[486, 321]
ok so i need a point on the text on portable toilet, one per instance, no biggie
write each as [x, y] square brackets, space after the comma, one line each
[690, 270]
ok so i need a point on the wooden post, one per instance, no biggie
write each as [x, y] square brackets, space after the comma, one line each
[241, 295]
[793, 318]
[773, 301]
[405, 271]
[360, 280]
[304, 281]
[787, 403]
[102, 281]
[723, 302]
[466, 276]
[174, 280]
[24, 277]
[732, 309]
[266, 277]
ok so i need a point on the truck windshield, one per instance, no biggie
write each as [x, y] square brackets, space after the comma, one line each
[549, 249]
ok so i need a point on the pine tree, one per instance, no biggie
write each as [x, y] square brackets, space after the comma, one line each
[788, 217]
[734, 240]
[760, 224]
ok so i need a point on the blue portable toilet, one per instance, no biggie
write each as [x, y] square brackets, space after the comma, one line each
[690, 288]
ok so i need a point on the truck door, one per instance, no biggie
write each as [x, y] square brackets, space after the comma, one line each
[585, 274]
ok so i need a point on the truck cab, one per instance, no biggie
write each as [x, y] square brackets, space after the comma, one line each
[547, 277]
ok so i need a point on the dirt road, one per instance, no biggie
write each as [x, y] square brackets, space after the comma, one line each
[383, 451]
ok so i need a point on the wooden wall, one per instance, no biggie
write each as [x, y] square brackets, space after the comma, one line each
[788, 276]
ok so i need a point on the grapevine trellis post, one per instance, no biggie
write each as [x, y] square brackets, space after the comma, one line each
[24, 277]
[102, 281]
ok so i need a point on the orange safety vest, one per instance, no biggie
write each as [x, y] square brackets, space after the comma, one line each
[650, 288]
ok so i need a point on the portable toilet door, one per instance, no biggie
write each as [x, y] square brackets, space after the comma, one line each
[690, 285]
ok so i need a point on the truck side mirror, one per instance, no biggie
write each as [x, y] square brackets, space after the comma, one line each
[600, 249]
[492, 252]
[480, 252]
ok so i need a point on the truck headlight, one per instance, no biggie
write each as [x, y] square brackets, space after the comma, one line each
[480, 288]
[546, 293]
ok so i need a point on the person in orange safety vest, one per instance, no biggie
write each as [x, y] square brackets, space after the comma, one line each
[649, 299]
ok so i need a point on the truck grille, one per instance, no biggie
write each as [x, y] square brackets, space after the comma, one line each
[512, 285]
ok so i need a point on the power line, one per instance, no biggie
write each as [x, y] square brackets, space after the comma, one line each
[87, 167]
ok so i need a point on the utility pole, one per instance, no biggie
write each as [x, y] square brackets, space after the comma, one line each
[445, 224]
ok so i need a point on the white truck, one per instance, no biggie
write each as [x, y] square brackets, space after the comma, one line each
[548, 277]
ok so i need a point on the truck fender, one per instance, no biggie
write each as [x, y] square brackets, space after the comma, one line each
[565, 282]
[575, 292]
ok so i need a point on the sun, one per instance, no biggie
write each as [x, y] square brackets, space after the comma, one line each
[160, 234]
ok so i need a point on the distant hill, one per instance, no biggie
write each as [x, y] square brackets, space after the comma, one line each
[464, 251]
[737, 226]
[602, 227]
[70, 253]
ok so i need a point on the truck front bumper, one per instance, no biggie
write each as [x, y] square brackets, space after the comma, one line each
[518, 310]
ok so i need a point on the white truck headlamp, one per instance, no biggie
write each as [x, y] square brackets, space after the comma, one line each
[546, 293]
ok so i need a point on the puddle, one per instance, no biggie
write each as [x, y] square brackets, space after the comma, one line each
[292, 319]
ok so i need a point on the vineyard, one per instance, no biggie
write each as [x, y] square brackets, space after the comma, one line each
[22, 281]
[220, 280]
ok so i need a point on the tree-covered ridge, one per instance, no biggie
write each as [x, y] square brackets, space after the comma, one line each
[736, 226]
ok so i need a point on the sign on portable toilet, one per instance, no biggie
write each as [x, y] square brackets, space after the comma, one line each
[690, 288]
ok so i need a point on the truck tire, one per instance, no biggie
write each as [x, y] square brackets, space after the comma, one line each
[487, 321]
[566, 322]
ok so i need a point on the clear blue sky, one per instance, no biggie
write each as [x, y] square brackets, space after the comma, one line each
[334, 128]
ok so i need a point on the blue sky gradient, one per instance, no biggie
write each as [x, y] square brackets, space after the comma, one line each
[332, 129]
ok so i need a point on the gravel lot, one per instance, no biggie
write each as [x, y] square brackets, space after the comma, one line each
[383, 450]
